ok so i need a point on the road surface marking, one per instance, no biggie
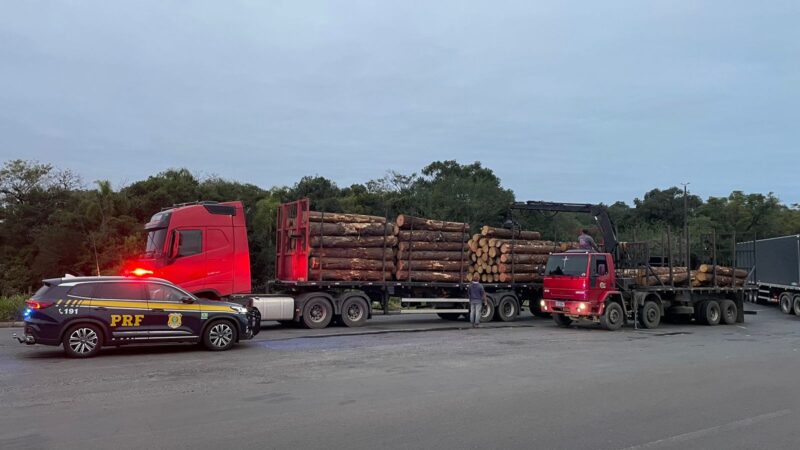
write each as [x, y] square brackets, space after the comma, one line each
[679, 438]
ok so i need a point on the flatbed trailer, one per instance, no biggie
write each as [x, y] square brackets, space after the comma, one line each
[317, 303]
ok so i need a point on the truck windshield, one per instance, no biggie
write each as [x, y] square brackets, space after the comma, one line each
[155, 242]
[568, 265]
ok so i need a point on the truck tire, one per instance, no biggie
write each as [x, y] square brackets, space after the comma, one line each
[355, 312]
[487, 312]
[219, 335]
[710, 313]
[729, 311]
[317, 313]
[796, 304]
[650, 315]
[613, 317]
[83, 340]
[508, 309]
[785, 301]
[698, 311]
[562, 320]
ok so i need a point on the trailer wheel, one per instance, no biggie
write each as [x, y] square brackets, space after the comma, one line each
[613, 317]
[650, 315]
[354, 312]
[562, 320]
[487, 311]
[728, 312]
[785, 301]
[796, 304]
[508, 309]
[710, 313]
[317, 313]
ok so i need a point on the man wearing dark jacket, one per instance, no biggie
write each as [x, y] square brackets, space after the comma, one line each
[477, 298]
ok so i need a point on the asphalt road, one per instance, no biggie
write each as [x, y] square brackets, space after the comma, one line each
[528, 386]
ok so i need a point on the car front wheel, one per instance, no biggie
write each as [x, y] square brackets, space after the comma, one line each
[219, 336]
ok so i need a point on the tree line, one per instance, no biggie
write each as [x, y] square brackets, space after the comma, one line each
[52, 223]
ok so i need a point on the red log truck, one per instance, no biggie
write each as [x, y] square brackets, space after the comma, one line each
[585, 285]
[203, 248]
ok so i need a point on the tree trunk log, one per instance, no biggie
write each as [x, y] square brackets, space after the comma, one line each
[353, 241]
[436, 266]
[520, 278]
[317, 216]
[722, 270]
[350, 229]
[433, 255]
[363, 253]
[678, 278]
[707, 279]
[349, 275]
[351, 264]
[662, 270]
[431, 276]
[431, 236]
[406, 222]
[432, 246]
[529, 249]
[508, 234]
[524, 259]
[520, 268]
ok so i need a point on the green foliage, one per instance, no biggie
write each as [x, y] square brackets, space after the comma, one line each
[52, 224]
[11, 307]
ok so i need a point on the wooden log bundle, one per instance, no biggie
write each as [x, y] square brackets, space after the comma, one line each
[722, 270]
[506, 256]
[350, 229]
[350, 247]
[431, 250]
[704, 276]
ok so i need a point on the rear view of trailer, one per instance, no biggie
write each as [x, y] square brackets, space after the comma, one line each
[774, 266]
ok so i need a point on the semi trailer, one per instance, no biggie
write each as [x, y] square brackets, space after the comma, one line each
[774, 266]
[203, 247]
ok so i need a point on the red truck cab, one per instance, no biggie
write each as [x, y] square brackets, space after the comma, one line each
[201, 247]
[577, 284]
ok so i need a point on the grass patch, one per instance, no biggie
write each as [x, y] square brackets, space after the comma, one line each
[11, 307]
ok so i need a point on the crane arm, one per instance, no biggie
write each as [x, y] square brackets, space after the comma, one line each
[599, 212]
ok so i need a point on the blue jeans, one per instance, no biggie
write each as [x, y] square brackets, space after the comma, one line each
[475, 313]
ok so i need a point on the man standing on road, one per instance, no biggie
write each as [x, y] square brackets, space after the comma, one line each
[477, 298]
[586, 242]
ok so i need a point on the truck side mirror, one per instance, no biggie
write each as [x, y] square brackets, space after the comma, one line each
[601, 269]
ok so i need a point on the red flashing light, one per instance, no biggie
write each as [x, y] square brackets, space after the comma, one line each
[37, 304]
[139, 272]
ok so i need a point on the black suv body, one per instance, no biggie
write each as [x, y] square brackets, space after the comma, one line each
[86, 313]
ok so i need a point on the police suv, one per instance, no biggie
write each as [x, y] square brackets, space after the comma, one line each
[86, 313]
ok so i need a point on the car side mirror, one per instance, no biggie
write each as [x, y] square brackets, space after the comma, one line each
[187, 300]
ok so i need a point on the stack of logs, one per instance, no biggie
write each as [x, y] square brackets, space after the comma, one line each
[350, 247]
[703, 276]
[506, 256]
[726, 276]
[431, 250]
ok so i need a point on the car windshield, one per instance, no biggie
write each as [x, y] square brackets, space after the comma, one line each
[155, 241]
[567, 265]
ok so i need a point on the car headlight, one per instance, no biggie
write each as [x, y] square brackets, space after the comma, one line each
[240, 309]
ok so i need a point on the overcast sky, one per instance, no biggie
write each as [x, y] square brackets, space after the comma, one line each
[563, 100]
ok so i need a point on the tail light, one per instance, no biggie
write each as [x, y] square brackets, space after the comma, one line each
[37, 304]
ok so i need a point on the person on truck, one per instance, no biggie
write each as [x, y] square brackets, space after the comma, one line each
[586, 242]
[477, 298]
